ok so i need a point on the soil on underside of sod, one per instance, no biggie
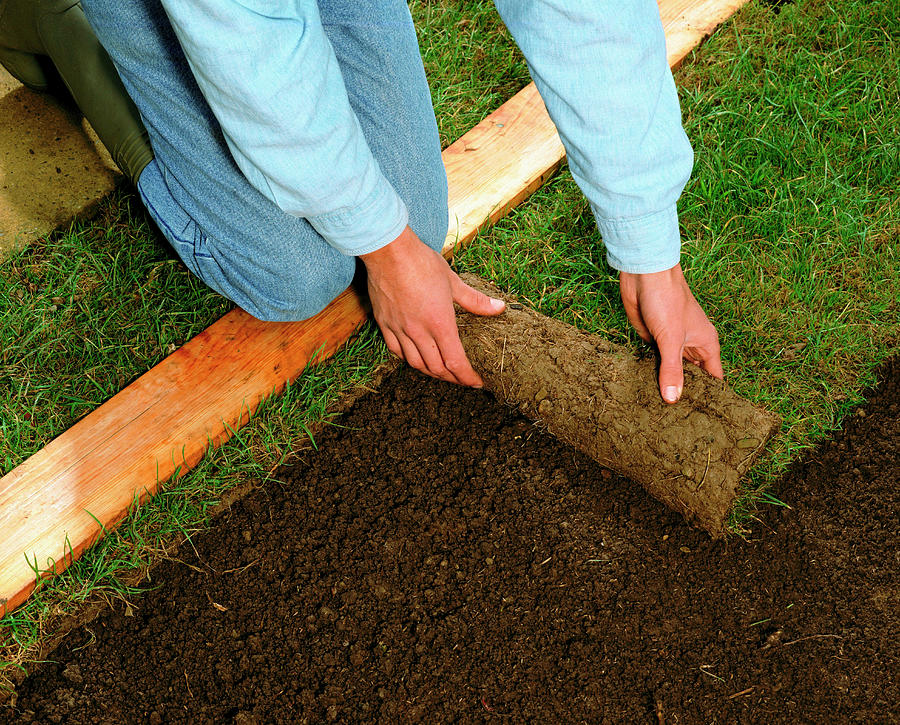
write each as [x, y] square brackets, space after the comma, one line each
[438, 559]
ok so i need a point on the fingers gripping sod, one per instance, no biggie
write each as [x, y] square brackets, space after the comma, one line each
[413, 290]
[661, 307]
[474, 301]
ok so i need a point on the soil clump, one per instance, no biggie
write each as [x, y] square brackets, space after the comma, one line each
[439, 559]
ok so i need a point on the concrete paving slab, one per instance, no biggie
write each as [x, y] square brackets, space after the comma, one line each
[52, 166]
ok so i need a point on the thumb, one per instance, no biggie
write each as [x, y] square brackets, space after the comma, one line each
[471, 300]
[671, 372]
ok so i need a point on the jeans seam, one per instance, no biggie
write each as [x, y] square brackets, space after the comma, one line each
[158, 218]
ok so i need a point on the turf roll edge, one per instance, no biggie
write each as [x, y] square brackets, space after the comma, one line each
[603, 399]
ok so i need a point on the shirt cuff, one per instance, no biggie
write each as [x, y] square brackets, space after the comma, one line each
[642, 245]
[377, 221]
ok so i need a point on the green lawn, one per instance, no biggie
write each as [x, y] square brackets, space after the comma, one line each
[792, 241]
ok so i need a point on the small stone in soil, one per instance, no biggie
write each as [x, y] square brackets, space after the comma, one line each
[72, 673]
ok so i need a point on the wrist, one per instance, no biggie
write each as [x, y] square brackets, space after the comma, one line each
[672, 273]
[390, 253]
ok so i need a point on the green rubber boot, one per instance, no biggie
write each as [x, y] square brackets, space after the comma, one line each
[27, 68]
[34, 33]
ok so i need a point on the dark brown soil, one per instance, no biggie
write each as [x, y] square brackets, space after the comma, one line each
[440, 560]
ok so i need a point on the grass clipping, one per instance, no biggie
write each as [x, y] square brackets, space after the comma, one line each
[602, 399]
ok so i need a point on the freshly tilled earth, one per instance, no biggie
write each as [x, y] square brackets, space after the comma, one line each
[438, 559]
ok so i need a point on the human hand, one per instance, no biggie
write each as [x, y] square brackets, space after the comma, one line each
[661, 307]
[413, 289]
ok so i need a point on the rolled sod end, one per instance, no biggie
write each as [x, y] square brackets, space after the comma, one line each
[604, 400]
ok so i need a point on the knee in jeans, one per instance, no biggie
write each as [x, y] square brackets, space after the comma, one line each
[298, 299]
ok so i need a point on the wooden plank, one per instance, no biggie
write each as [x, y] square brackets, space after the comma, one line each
[162, 423]
[488, 173]
[688, 22]
[50, 505]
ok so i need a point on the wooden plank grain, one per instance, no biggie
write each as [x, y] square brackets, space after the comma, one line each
[51, 504]
[162, 423]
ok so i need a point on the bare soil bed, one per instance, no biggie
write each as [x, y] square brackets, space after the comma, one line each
[438, 559]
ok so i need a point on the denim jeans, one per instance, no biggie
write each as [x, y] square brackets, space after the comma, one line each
[272, 264]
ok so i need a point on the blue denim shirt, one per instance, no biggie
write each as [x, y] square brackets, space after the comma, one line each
[272, 80]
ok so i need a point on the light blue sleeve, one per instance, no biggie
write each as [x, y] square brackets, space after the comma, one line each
[600, 66]
[270, 75]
